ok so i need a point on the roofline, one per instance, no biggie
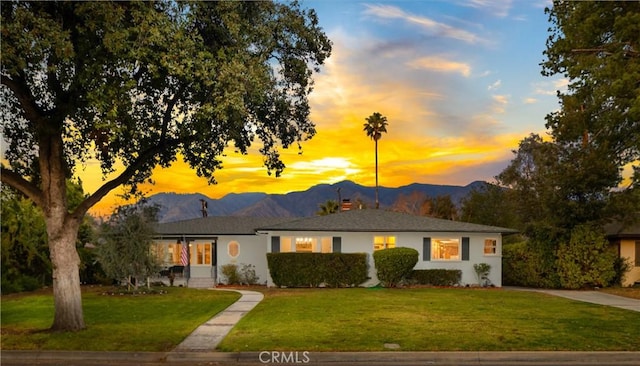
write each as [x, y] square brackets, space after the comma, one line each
[394, 231]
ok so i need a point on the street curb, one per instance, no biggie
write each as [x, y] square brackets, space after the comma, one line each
[332, 358]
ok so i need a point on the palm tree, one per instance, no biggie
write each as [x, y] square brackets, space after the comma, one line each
[375, 126]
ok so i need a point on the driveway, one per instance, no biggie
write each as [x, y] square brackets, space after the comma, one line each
[594, 297]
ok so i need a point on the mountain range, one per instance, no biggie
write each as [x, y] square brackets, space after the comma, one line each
[178, 206]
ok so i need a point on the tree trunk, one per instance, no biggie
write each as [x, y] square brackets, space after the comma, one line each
[62, 233]
[67, 295]
[377, 201]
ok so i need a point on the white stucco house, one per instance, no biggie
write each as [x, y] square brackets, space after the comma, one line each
[216, 241]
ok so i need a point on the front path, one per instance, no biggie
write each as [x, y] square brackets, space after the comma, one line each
[207, 336]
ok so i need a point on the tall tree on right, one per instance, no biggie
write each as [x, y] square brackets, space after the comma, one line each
[375, 126]
[596, 46]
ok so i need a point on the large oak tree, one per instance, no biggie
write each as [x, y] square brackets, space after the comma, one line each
[143, 83]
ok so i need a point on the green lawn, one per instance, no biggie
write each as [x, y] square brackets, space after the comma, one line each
[430, 320]
[330, 320]
[157, 322]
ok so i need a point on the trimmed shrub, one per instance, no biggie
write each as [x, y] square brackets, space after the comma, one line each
[315, 269]
[394, 264]
[436, 277]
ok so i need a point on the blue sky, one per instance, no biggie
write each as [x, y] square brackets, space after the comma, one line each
[459, 82]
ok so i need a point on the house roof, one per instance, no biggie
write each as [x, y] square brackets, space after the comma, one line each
[617, 230]
[218, 225]
[371, 220]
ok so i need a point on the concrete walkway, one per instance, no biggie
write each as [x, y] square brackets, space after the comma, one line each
[594, 297]
[207, 336]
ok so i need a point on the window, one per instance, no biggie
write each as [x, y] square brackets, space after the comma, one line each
[200, 254]
[168, 254]
[490, 247]
[637, 253]
[304, 245]
[384, 242]
[234, 249]
[445, 249]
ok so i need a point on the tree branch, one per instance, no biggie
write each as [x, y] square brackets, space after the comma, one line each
[16, 181]
[32, 112]
[121, 179]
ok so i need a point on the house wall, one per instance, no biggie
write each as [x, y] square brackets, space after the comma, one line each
[362, 242]
[251, 250]
[628, 250]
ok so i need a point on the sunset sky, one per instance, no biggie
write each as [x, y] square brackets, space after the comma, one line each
[459, 82]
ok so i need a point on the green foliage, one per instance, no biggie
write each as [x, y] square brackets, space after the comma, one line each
[482, 271]
[394, 264]
[125, 241]
[25, 253]
[231, 274]
[525, 264]
[436, 277]
[243, 275]
[328, 208]
[141, 84]
[25, 249]
[489, 205]
[595, 45]
[621, 266]
[314, 269]
[587, 260]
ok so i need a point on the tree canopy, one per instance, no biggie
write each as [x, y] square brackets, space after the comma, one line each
[143, 83]
[587, 173]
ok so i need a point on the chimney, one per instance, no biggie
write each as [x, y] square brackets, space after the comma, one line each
[346, 205]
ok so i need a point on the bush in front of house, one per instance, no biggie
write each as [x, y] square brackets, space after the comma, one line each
[345, 269]
[435, 277]
[245, 274]
[315, 269]
[231, 274]
[394, 264]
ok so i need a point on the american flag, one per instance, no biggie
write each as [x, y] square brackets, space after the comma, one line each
[184, 254]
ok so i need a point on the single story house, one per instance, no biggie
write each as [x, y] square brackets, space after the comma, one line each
[626, 239]
[216, 241]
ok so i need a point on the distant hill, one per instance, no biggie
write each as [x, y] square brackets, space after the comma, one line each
[175, 207]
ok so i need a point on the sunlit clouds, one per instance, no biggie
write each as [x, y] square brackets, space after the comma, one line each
[459, 83]
[424, 23]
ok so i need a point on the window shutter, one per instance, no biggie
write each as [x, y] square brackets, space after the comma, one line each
[275, 244]
[637, 253]
[337, 244]
[426, 249]
[465, 249]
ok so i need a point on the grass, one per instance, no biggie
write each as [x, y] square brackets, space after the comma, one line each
[421, 319]
[150, 322]
[430, 320]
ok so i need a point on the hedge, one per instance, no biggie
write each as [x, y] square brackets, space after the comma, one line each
[394, 264]
[315, 269]
[436, 277]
